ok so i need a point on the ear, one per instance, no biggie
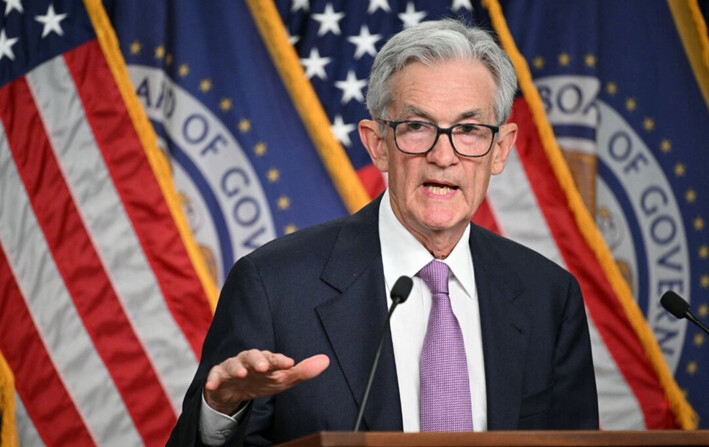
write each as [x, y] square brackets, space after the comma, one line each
[375, 144]
[503, 146]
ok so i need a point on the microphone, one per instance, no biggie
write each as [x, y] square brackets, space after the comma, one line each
[678, 307]
[399, 293]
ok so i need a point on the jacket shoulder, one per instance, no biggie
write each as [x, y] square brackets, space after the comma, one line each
[519, 257]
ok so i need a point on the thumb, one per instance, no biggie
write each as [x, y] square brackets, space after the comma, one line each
[311, 367]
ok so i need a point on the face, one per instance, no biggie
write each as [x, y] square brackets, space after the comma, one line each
[435, 195]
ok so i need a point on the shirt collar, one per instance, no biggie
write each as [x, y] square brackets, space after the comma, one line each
[404, 255]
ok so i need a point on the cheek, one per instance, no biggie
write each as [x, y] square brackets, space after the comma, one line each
[400, 182]
[476, 183]
[401, 171]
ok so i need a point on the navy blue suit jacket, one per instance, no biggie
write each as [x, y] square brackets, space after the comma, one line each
[321, 291]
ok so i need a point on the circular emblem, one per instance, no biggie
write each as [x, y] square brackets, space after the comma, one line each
[220, 191]
[635, 206]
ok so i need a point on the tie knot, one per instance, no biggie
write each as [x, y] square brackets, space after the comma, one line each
[435, 275]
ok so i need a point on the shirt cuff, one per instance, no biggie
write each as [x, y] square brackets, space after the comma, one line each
[215, 427]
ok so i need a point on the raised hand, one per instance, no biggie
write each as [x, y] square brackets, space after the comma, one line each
[253, 374]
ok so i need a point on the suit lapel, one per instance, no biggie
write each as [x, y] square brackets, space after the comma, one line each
[353, 319]
[505, 331]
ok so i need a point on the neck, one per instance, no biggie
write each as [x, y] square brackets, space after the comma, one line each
[440, 245]
[439, 251]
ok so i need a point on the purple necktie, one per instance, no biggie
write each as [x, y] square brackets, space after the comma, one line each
[445, 389]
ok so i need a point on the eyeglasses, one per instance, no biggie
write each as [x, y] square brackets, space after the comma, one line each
[419, 137]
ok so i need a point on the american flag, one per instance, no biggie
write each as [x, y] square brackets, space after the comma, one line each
[103, 306]
[102, 311]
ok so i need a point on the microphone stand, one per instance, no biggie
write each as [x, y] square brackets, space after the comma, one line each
[382, 337]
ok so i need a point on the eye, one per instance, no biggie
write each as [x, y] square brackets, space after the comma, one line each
[415, 125]
[467, 129]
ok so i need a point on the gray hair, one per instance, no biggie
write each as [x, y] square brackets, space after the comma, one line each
[435, 41]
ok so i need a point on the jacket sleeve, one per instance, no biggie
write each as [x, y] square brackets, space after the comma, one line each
[243, 304]
[574, 396]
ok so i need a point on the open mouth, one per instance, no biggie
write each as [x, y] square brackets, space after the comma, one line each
[439, 189]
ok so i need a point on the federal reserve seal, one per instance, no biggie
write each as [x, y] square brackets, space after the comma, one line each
[220, 191]
[634, 203]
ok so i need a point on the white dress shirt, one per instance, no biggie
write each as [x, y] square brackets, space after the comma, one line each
[402, 254]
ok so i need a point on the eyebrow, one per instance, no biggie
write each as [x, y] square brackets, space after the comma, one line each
[474, 113]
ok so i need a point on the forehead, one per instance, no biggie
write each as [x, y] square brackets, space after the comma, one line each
[444, 89]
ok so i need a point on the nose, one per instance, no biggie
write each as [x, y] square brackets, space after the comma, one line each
[442, 154]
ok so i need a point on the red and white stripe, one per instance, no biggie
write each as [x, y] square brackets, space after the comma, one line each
[102, 314]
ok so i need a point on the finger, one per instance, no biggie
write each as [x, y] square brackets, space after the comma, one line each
[222, 372]
[261, 362]
[278, 361]
[255, 360]
[212, 384]
[234, 367]
[231, 368]
[310, 367]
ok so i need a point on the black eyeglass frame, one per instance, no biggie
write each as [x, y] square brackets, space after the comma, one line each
[439, 130]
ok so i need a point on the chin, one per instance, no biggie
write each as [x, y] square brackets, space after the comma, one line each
[438, 224]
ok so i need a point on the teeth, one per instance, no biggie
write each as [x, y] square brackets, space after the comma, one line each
[440, 190]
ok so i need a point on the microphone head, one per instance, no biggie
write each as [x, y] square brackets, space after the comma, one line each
[674, 304]
[402, 289]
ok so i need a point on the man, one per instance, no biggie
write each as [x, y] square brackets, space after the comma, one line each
[439, 95]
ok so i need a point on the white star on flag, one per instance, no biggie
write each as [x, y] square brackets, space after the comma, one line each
[365, 42]
[342, 130]
[351, 88]
[6, 46]
[374, 5]
[292, 39]
[51, 21]
[300, 4]
[457, 4]
[314, 64]
[329, 21]
[411, 17]
[15, 5]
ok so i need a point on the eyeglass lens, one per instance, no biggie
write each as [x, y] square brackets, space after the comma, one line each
[419, 137]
